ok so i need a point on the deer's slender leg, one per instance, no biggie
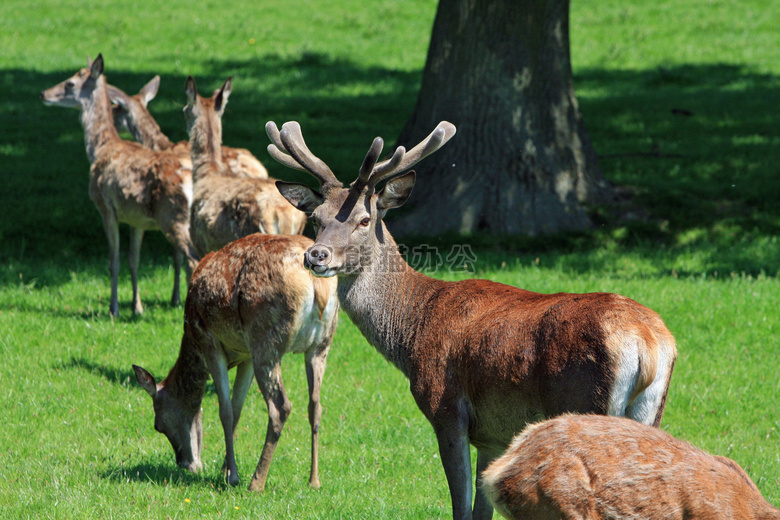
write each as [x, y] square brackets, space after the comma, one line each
[133, 255]
[315, 368]
[219, 372]
[279, 407]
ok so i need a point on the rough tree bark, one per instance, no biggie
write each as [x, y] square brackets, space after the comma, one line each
[522, 161]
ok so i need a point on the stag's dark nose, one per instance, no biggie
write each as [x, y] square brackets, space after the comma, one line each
[317, 256]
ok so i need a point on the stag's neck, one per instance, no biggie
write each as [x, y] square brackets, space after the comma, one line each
[206, 148]
[189, 375]
[146, 131]
[98, 121]
[385, 302]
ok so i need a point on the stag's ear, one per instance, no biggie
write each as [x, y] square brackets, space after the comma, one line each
[396, 192]
[191, 90]
[300, 196]
[146, 380]
[149, 91]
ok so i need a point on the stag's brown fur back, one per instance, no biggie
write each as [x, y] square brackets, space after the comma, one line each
[597, 468]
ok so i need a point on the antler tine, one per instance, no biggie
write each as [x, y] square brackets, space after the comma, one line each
[273, 134]
[402, 160]
[298, 155]
[277, 149]
[371, 158]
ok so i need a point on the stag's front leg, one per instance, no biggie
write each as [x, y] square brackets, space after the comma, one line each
[451, 424]
[456, 459]
[315, 369]
[270, 381]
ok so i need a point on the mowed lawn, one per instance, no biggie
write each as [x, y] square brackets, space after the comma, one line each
[680, 99]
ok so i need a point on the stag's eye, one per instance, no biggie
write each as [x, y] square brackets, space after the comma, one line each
[315, 223]
[365, 222]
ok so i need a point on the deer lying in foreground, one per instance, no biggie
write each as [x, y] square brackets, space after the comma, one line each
[596, 468]
[248, 305]
[225, 208]
[483, 359]
[132, 114]
[128, 183]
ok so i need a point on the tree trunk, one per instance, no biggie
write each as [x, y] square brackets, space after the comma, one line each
[521, 162]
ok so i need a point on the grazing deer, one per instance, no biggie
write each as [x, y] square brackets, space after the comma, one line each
[248, 305]
[483, 359]
[225, 208]
[131, 113]
[594, 467]
[128, 183]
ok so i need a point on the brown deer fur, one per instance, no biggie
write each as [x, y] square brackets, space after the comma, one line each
[128, 183]
[226, 207]
[590, 467]
[483, 359]
[132, 114]
[248, 305]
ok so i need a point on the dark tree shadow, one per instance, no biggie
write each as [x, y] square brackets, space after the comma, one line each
[691, 145]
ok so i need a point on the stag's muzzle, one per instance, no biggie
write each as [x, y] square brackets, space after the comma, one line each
[317, 260]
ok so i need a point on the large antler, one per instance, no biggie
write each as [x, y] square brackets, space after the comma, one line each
[290, 149]
[372, 173]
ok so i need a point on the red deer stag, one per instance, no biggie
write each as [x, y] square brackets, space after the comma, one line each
[225, 208]
[248, 305]
[129, 183]
[483, 359]
[597, 468]
[132, 114]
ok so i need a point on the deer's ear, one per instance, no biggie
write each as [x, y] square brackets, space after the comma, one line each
[191, 90]
[300, 196]
[116, 96]
[223, 94]
[396, 192]
[96, 67]
[146, 380]
[149, 91]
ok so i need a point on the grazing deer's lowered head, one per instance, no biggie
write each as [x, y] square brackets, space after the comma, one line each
[178, 416]
[483, 359]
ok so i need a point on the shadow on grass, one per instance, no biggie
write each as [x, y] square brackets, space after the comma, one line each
[121, 377]
[694, 144]
[161, 474]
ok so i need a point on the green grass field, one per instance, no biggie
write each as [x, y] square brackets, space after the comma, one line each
[680, 99]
